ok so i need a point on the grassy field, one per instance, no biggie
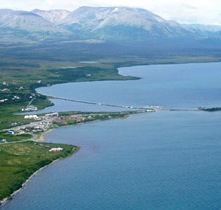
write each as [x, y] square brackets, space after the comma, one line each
[9, 138]
[19, 161]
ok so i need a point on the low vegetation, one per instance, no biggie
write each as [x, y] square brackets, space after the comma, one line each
[19, 161]
[8, 137]
[210, 109]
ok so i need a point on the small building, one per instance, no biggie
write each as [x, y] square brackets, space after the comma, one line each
[15, 98]
[51, 115]
[3, 100]
[30, 108]
[58, 149]
[34, 116]
[10, 132]
[4, 141]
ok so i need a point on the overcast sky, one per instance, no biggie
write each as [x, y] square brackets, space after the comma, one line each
[183, 11]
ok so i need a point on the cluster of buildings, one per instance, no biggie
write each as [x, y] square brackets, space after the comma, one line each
[65, 120]
[32, 129]
[9, 97]
[36, 127]
[45, 117]
[13, 98]
[3, 100]
[30, 108]
[44, 122]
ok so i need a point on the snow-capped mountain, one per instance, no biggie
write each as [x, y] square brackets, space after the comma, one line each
[54, 16]
[106, 23]
[122, 22]
[27, 21]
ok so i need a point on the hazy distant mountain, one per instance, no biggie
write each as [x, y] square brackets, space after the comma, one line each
[202, 28]
[27, 21]
[54, 16]
[22, 26]
[106, 23]
[122, 23]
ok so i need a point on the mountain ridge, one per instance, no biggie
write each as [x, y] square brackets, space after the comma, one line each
[54, 16]
[101, 23]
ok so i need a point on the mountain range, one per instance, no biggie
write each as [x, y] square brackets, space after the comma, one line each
[100, 23]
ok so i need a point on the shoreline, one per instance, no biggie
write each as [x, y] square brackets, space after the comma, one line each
[7, 199]
[41, 138]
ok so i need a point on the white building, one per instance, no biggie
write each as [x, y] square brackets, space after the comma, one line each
[59, 149]
[34, 116]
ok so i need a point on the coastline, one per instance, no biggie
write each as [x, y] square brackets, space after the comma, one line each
[10, 197]
[5, 200]
[41, 138]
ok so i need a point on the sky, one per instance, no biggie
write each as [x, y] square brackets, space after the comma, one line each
[183, 11]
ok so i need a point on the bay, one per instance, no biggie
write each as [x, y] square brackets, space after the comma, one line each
[162, 160]
[170, 86]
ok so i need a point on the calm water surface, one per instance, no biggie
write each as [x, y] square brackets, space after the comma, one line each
[163, 160]
[172, 86]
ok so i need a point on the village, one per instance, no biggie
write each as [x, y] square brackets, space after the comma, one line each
[41, 123]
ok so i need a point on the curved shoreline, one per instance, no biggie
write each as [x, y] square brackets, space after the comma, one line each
[40, 138]
[7, 199]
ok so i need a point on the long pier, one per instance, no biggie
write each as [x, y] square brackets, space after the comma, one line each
[146, 108]
[141, 108]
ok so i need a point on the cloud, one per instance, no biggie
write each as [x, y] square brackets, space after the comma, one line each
[188, 6]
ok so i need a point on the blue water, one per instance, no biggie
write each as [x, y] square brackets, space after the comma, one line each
[171, 86]
[153, 161]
